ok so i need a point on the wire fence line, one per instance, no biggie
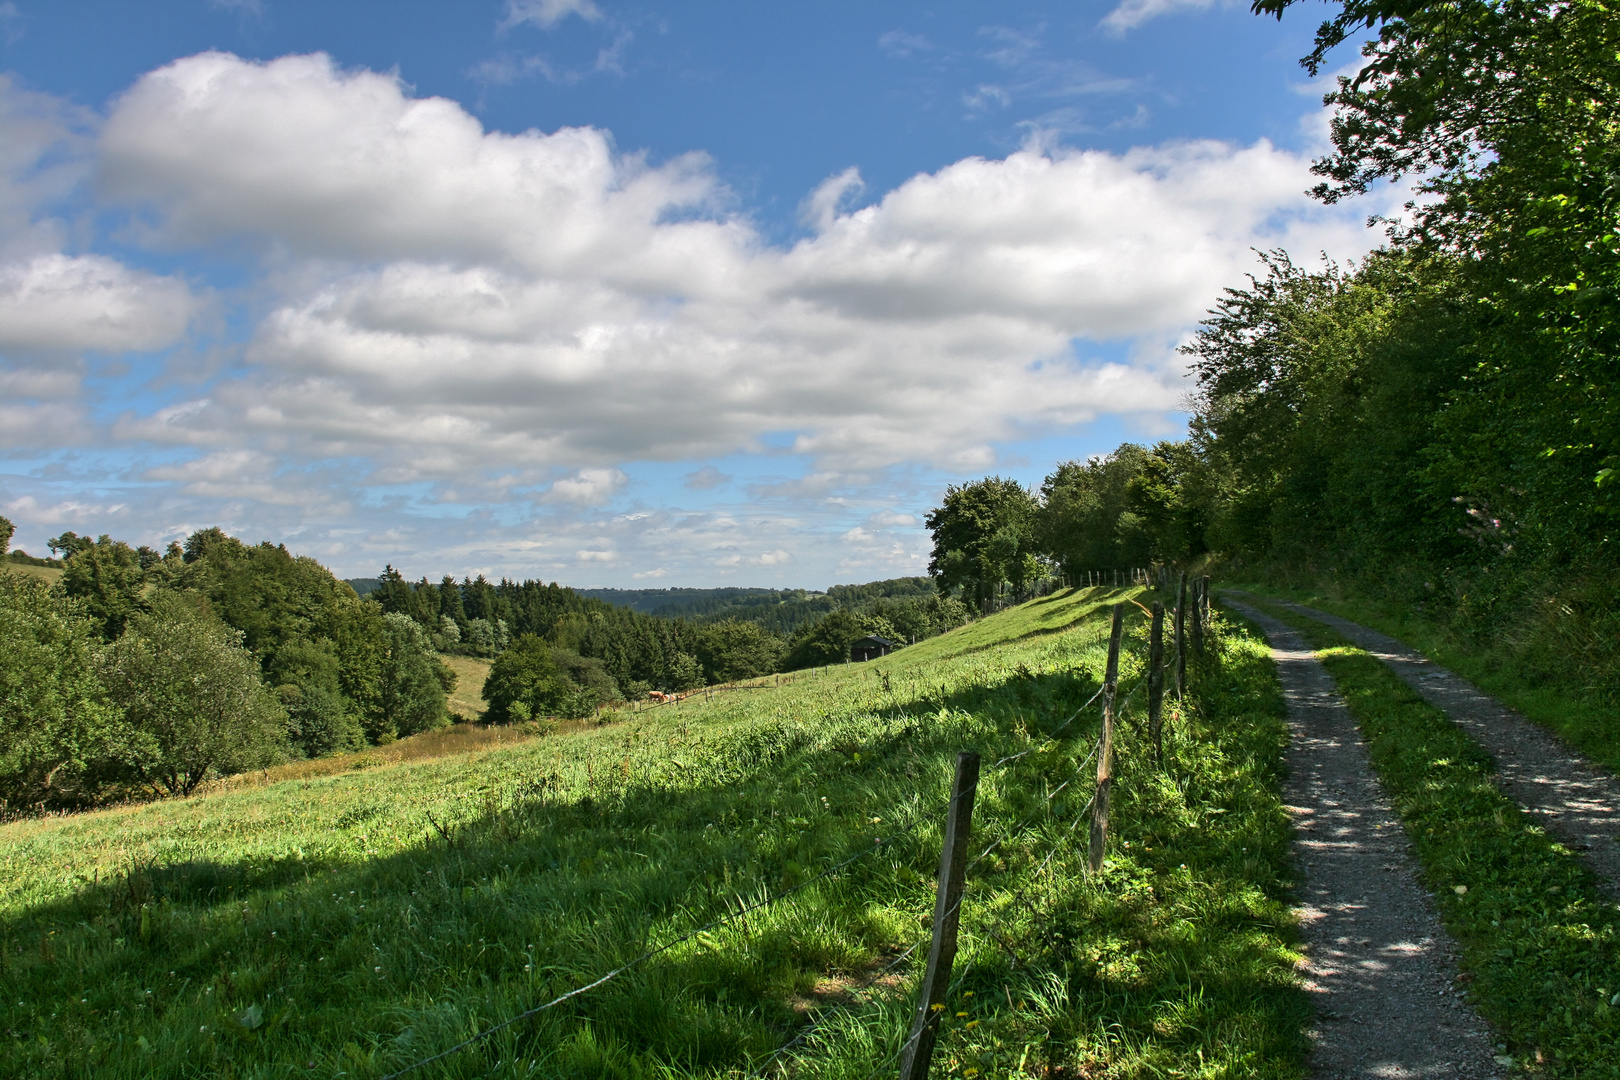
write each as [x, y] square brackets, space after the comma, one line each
[1079, 770]
[877, 846]
[637, 962]
[1020, 893]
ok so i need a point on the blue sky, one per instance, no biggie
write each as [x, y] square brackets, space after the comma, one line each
[616, 294]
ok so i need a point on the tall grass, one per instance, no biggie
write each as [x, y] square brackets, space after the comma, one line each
[352, 924]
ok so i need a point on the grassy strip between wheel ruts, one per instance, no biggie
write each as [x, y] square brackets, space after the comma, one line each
[1542, 689]
[1541, 946]
[328, 928]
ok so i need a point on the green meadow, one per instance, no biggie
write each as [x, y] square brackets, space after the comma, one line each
[356, 923]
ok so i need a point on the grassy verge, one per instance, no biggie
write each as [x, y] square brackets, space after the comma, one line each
[1548, 693]
[1540, 944]
[352, 924]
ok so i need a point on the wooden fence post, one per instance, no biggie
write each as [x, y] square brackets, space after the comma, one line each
[1105, 751]
[1181, 638]
[1156, 683]
[1198, 618]
[1206, 597]
[936, 980]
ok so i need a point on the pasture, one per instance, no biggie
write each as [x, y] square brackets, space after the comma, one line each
[357, 922]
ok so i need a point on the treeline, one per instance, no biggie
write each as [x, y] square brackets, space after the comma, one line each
[781, 611]
[144, 671]
[684, 603]
[1439, 423]
[613, 652]
[604, 652]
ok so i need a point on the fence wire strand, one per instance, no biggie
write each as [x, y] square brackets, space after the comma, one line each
[643, 958]
[723, 920]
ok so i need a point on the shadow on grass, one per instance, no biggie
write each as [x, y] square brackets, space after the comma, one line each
[255, 967]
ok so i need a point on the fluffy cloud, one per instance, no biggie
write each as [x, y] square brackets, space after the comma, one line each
[343, 164]
[52, 302]
[591, 487]
[479, 300]
[58, 302]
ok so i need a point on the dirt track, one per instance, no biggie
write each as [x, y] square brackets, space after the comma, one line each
[1378, 965]
[1572, 799]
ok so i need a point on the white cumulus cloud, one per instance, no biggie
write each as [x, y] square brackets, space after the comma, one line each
[474, 300]
[62, 302]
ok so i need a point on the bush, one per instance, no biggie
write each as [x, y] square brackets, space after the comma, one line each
[318, 721]
[192, 698]
[58, 734]
[589, 675]
[525, 683]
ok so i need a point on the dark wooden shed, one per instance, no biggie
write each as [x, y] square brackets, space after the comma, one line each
[869, 647]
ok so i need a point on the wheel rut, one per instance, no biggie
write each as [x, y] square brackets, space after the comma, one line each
[1378, 966]
[1574, 800]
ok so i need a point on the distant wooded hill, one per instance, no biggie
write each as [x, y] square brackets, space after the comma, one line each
[781, 611]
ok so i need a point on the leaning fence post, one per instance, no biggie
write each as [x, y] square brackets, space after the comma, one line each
[1105, 751]
[1156, 683]
[936, 979]
[1181, 638]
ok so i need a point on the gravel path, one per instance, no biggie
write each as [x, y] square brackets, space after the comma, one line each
[1378, 965]
[1572, 799]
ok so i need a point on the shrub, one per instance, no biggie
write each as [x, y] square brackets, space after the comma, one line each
[318, 722]
[524, 682]
[192, 698]
[57, 731]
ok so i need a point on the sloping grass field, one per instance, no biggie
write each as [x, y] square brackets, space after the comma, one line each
[356, 924]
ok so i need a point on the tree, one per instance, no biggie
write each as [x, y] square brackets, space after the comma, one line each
[825, 641]
[981, 531]
[588, 677]
[1171, 497]
[734, 650]
[524, 682]
[108, 578]
[69, 543]
[414, 682]
[308, 678]
[1083, 520]
[59, 736]
[319, 722]
[7, 531]
[192, 697]
[1505, 109]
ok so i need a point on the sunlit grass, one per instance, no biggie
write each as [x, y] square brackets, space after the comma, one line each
[363, 919]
